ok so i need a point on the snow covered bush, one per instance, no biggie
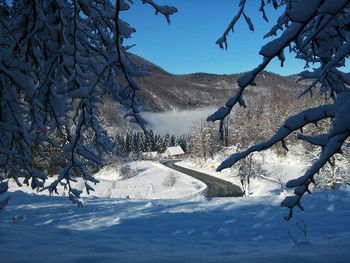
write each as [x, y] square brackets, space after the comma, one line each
[126, 172]
[170, 180]
[333, 175]
[57, 59]
[318, 32]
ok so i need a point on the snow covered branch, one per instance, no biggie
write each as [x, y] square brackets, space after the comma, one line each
[318, 33]
[165, 10]
[57, 59]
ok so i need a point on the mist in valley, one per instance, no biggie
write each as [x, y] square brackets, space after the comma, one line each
[176, 122]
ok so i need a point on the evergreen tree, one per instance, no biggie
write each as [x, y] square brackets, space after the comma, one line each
[172, 140]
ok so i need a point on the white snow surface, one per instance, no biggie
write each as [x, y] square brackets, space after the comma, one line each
[38, 228]
[176, 224]
[146, 184]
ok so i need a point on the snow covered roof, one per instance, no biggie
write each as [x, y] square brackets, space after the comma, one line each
[177, 150]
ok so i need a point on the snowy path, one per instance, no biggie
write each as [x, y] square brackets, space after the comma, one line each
[217, 187]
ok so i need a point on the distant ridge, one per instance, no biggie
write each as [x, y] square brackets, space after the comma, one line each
[163, 91]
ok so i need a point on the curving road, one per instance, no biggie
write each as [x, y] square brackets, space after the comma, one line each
[216, 187]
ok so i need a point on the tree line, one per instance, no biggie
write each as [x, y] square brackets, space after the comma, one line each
[133, 142]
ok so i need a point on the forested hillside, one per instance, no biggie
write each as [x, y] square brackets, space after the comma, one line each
[273, 97]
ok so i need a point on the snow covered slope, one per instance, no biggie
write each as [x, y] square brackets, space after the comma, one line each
[149, 180]
[147, 219]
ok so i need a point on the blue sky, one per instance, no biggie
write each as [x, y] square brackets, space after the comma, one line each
[187, 45]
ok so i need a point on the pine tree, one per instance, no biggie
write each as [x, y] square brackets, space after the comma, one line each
[172, 140]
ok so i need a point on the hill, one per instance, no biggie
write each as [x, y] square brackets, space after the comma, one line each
[162, 90]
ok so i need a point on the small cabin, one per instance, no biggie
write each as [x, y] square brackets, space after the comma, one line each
[174, 152]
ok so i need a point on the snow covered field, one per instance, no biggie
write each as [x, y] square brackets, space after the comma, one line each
[50, 229]
[141, 219]
[149, 180]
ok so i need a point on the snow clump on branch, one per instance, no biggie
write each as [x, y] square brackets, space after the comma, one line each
[317, 32]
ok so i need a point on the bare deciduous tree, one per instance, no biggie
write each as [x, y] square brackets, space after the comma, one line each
[57, 59]
[318, 33]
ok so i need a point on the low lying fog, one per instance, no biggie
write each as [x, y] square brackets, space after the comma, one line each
[176, 122]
